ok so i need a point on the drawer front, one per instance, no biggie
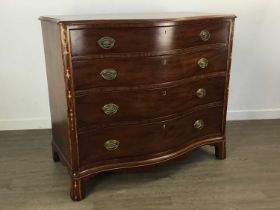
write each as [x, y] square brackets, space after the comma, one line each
[136, 105]
[138, 141]
[146, 70]
[88, 41]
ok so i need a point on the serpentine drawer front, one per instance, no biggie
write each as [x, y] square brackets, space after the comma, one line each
[142, 140]
[87, 41]
[159, 102]
[132, 91]
[132, 71]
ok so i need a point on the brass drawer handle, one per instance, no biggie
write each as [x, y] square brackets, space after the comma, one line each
[106, 43]
[111, 144]
[109, 74]
[205, 35]
[202, 63]
[198, 124]
[110, 109]
[201, 93]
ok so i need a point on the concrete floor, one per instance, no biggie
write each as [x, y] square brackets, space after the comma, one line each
[248, 179]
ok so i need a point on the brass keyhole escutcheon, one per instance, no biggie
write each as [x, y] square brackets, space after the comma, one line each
[111, 144]
[106, 42]
[205, 35]
[198, 124]
[109, 74]
[202, 63]
[110, 109]
[201, 93]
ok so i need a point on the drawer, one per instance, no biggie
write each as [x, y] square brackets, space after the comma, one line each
[134, 104]
[147, 70]
[96, 40]
[140, 141]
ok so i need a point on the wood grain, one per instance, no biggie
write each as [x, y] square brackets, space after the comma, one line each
[141, 141]
[56, 86]
[137, 105]
[135, 71]
[149, 39]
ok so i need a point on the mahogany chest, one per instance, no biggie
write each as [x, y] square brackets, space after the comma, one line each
[129, 91]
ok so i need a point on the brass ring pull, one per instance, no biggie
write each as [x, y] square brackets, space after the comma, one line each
[198, 124]
[205, 35]
[108, 74]
[202, 63]
[111, 144]
[110, 109]
[201, 93]
[106, 43]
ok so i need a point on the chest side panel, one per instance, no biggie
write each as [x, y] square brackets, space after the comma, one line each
[56, 86]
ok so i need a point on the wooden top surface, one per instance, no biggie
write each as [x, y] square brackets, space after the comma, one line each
[166, 16]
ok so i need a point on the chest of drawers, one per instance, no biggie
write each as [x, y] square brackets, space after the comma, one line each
[132, 91]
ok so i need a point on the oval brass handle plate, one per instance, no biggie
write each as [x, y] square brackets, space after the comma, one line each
[201, 93]
[109, 74]
[198, 124]
[111, 144]
[202, 63]
[110, 109]
[106, 43]
[205, 35]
